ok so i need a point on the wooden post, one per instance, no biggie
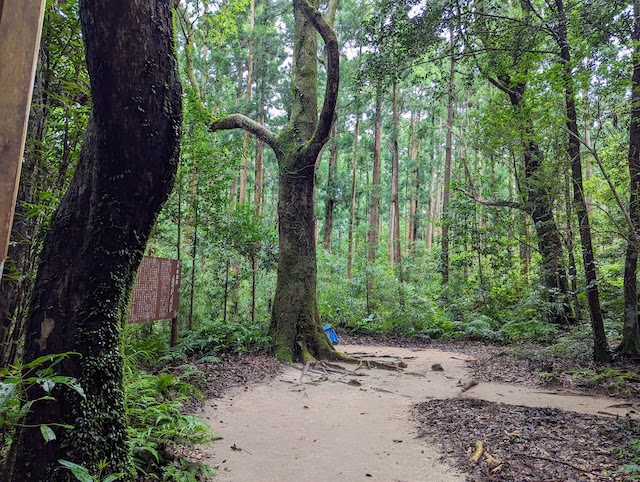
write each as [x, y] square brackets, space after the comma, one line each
[174, 332]
[20, 30]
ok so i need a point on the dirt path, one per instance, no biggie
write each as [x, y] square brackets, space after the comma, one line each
[338, 426]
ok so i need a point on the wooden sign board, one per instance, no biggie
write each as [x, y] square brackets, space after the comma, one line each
[156, 294]
[20, 29]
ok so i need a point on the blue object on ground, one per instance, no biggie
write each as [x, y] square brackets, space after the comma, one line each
[331, 333]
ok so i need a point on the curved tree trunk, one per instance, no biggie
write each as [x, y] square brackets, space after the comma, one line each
[295, 329]
[295, 324]
[98, 235]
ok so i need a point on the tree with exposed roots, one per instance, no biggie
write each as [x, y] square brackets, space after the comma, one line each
[295, 330]
[97, 239]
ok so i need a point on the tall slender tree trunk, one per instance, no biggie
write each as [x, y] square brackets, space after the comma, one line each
[331, 190]
[97, 238]
[257, 200]
[352, 209]
[630, 344]
[245, 141]
[447, 169]
[414, 225]
[194, 254]
[395, 255]
[573, 271]
[372, 238]
[433, 193]
[601, 350]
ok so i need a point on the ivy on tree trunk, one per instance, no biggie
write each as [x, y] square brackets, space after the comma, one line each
[97, 238]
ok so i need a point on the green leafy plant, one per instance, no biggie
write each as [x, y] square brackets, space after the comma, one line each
[158, 426]
[17, 379]
[82, 474]
[632, 454]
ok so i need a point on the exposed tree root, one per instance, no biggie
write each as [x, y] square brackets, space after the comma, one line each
[477, 453]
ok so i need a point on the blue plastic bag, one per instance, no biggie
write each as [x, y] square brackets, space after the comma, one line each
[331, 333]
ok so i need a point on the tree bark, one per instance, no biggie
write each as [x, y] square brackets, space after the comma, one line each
[447, 171]
[372, 238]
[601, 350]
[352, 209]
[295, 329]
[630, 344]
[98, 235]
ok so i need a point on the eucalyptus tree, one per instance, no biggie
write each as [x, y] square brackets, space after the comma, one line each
[295, 325]
[96, 241]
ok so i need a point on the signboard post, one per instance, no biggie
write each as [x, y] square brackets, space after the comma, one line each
[156, 294]
[20, 30]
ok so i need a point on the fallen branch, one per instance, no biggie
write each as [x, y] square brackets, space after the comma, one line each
[547, 459]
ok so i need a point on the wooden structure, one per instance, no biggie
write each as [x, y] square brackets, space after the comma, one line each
[20, 30]
[156, 294]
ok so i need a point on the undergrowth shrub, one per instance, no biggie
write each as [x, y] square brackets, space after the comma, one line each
[159, 428]
[215, 337]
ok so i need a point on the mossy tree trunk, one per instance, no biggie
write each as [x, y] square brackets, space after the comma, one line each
[97, 238]
[295, 325]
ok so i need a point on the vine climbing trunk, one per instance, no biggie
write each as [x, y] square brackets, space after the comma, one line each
[97, 238]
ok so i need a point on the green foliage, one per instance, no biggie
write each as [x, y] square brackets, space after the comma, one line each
[216, 337]
[631, 454]
[158, 426]
[17, 379]
[82, 474]
[612, 379]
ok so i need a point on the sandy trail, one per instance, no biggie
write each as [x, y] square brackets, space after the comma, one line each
[343, 427]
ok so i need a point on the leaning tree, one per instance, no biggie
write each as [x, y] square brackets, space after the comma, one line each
[295, 324]
[97, 238]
